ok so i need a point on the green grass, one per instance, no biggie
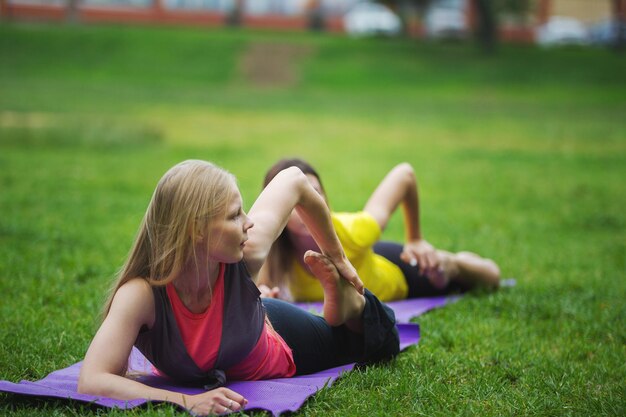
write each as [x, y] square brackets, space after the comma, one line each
[520, 156]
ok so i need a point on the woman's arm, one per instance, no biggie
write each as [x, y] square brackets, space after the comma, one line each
[102, 371]
[290, 190]
[400, 187]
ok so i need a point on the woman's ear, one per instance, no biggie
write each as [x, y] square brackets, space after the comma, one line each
[194, 231]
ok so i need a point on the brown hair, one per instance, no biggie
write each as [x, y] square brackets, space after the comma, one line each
[277, 267]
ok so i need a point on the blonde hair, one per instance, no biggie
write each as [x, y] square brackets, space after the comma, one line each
[185, 200]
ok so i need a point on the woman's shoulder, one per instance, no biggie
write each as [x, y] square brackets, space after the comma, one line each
[359, 228]
[135, 297]
[360, 217]
[136, 287]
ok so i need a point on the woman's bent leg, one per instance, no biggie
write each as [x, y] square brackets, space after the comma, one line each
[317, 346]
[419, 284]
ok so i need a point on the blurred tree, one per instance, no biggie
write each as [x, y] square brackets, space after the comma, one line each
[486, 27]
[3, 10]
[71, 11]
[486, 30]
[315, 15]
[619, 16]
[486, 14]
[518, 8]
[234, 15]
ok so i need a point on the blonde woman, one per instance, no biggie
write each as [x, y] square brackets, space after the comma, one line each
[186, 297]
[390, 270]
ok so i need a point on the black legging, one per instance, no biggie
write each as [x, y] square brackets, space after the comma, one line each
[317, 346]
[419, 285]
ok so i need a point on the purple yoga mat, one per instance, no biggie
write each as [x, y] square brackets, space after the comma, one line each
[276, 395]
[404, 309]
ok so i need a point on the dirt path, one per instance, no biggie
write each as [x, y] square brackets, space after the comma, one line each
[273, 64]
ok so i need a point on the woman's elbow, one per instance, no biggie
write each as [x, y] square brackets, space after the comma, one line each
[296, 183]
[295, 176]
[86, 385]
[405, 174]
[92, 383]
[406, 169]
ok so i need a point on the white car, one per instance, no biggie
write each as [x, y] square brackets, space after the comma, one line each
[445, 22]
[371, 19]
[562, 31]
[607, 32]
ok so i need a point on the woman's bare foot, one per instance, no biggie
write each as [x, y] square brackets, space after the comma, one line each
[342, 302]
[468, 269]
[483, 271]
[447, 270]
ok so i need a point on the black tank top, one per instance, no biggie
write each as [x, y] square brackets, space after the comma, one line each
[244, 318]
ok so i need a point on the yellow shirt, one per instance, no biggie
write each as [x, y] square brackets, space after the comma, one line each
[357, 232]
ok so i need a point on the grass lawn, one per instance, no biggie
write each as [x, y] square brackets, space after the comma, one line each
[519, 156]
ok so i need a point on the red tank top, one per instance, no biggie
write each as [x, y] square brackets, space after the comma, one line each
[202, 333]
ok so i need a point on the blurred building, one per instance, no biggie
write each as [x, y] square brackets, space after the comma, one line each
[442, 18]
[586, 11]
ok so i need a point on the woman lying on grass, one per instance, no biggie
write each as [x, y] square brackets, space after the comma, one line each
[390, 270]
[186, 297]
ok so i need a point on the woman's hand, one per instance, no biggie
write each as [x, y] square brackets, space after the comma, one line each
[421, 253]
[267, 292]
[217, 401]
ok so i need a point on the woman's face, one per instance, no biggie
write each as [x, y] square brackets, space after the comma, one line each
[295, 225]
[228, 233]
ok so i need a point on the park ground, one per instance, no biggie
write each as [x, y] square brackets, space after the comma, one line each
[520, 155]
